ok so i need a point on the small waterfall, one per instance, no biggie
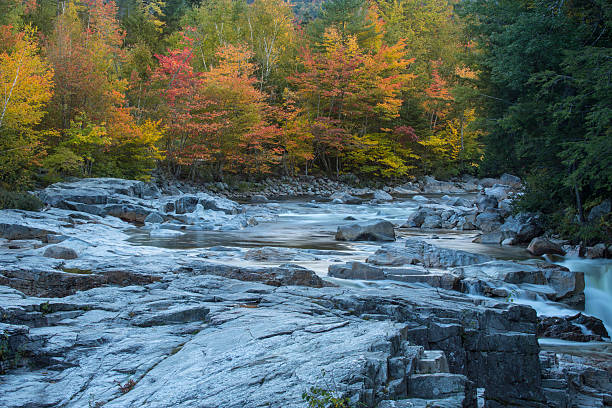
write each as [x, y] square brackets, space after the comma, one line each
[598, 286]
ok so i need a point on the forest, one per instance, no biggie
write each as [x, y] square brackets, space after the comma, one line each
[349, 89]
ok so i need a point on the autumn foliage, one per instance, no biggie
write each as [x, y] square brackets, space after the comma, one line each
[230, 87]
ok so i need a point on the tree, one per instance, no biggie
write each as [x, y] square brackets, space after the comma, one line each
[25, 88]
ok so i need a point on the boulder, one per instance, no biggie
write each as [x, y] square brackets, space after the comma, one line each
[485, 202]
[499, 191]
[186, 204]
[432, 221]
[154, 218]
[600, 210]
[579, 327]
[416, 219]
[259, 198]
[381, 195]
[523, 226]
[420, 199]
[372, 231]
[345, 198]
[495, 237]
[542, 246]
[597, 251]
[417, 251]
[356, 270]
[467, 222]
[489, 220]
[60, 252]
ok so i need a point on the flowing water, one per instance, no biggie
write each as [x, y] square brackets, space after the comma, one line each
[310, 227]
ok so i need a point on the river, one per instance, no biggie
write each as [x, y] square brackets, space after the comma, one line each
[309, 227]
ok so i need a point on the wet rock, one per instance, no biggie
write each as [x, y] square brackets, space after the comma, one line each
[154, 218]
[485, 202]
[496, 238]
[219, 204]
[431, 185]
[420, 199]
[381, 195]
[283, 275]
[259, 198]
[373, 231]
[467, 222]
[541, 246]
[572, 328]
[345, 198]
[597, 251]
[416, 251]
[524, 227]
[432, 221]
[60, 252]
[128, 212]
[356, 270]
[489, 221]
[416, 219]
[273, 254]
[186, 204]
[498, 191]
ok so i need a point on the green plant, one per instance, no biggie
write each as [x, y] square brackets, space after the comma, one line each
[44, 308]
[322, 398]
[20, 200]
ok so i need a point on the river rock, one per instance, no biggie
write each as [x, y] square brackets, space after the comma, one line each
[416, 219]
[489, 220]
[186, 204]
[485, 202]
[417, 251]
[274, 254]
[94, 191]
[524, 227]
[259, 198]
[128, 212]
[345, 198]
[372, 231]
[597, 251]
[580, 327]
[541, 246]
[60, 252]
[432, 221]
[154, 218]
[498, 191]
[381, 195]
[431, 185]
[496, 238]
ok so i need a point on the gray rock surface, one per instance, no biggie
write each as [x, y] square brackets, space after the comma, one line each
[541, 246]
[371, 231]
[60, 252]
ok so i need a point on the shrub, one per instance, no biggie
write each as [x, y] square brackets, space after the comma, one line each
[20, 200]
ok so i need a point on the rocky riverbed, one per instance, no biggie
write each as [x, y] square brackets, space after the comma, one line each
[128, 294]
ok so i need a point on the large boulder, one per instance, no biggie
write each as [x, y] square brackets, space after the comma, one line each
[489, 220]
[416, 219]
[485, 202]
[543, 246]
[23, 231]
[499, 191]
[432, 221]
[596, 251]
[381, 195]
[600, 210]
[524, 227]
[372, 231]
[60, 252]
[219, 204]
[186, 204]
[345, 198]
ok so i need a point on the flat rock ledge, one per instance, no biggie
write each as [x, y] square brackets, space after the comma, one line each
[194, 341]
